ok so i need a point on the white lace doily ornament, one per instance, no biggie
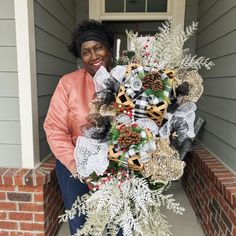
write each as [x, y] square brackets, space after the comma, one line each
[90, 156]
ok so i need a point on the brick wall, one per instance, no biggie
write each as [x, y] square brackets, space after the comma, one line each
[211, 189]
[30, 201]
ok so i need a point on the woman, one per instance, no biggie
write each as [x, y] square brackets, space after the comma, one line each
[92, 42]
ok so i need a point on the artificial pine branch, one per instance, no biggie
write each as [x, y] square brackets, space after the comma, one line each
[166, 51]
[129, 204]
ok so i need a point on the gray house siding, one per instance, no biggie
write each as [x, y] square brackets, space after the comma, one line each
[82, 10]
[191, 10]
[216, 39]
[10, 144]
[54, 24]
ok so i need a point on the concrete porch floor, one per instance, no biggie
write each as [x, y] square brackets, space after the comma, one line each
[186, 225]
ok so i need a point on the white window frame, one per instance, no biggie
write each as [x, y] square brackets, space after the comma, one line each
[175, 11]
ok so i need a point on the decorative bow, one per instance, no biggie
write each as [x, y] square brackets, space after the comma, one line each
[141, 94]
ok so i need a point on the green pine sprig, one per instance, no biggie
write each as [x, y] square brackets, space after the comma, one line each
[114, 134]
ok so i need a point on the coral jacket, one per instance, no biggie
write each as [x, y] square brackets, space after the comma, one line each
[67, 112]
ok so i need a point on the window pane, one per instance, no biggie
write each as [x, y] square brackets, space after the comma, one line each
[114, 6]
[157, 6]
[135, 5]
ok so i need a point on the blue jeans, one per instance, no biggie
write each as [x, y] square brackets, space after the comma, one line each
[70, 189]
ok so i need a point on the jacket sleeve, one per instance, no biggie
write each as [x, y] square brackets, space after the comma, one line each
[57, 128]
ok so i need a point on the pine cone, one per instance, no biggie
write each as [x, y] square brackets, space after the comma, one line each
[128, 137]
[157, 85]
[156, 75]
[148, 80]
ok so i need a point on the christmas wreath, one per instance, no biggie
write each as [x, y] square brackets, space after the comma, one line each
[142, 120]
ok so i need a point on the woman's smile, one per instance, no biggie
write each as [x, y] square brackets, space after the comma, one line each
[98, 64]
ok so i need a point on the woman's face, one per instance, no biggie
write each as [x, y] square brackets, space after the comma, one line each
[94, 55]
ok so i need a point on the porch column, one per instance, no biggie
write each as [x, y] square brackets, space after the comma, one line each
[26, 62]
